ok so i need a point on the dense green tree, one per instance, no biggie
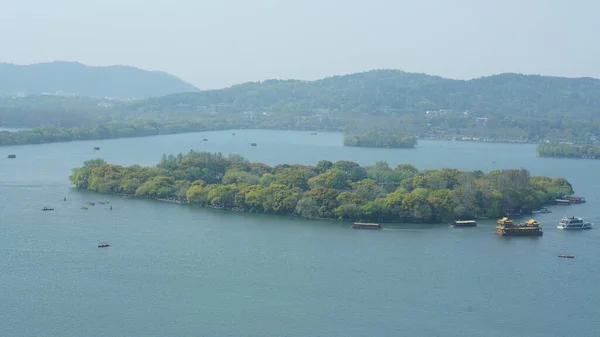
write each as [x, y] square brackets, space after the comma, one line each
[339, 192]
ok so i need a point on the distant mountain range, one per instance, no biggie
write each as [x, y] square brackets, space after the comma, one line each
[72, 78]
[377, 92]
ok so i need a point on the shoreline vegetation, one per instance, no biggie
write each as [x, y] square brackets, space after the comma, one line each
[569, 151]
[343, 190]
[380, 139]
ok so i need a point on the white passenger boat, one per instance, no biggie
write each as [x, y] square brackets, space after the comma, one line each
[573, 223]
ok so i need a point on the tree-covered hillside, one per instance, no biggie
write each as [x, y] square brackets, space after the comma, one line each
[72, 78]
[393, 92]
[507, 107]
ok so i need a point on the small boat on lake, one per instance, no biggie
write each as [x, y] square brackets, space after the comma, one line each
[566, 256]
[84, 208]
[253, 144]
[464, 223]
[96, 148]
[103, 245]
[364, 225]
[47, 209]
[570, 223]
[12, 156]
[541, 210]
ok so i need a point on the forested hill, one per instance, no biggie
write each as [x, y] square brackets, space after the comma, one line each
[75, 78]
[393, 92]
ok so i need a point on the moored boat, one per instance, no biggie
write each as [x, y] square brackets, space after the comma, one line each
[575, 199]
[541, 210]
[570, 223]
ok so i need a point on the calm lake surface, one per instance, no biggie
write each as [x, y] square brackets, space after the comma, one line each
[176, 270]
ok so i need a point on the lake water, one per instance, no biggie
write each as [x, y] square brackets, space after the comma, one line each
[176, 270]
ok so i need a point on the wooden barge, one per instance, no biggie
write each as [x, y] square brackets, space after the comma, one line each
[366, 225]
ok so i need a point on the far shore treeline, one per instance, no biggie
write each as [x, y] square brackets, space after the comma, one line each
[342, 190]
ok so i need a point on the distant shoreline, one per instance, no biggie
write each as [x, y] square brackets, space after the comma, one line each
[448, 139]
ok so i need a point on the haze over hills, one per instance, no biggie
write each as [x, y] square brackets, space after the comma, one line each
[73, 78]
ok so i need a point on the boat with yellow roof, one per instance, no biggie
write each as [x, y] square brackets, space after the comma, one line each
[507, 227]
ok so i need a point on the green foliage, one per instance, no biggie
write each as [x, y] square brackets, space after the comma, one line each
[568, 151]
[515, 107]
[342, 190]
[374, 138]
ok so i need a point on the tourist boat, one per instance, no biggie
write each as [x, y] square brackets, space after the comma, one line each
[566, 256]
[505, 222]
[47, 209]
[464, 223]
[103, 245]
[365, 225]
[541, 210]
[507, 227]
[572, 222]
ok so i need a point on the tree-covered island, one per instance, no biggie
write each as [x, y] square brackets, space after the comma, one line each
[342, 190]
[374, 138]
[569, 151]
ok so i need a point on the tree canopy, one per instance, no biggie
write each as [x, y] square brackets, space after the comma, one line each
[342, 190]
[568, 151]
[374, 138]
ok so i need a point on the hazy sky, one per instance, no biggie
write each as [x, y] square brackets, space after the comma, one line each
[217, 43]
